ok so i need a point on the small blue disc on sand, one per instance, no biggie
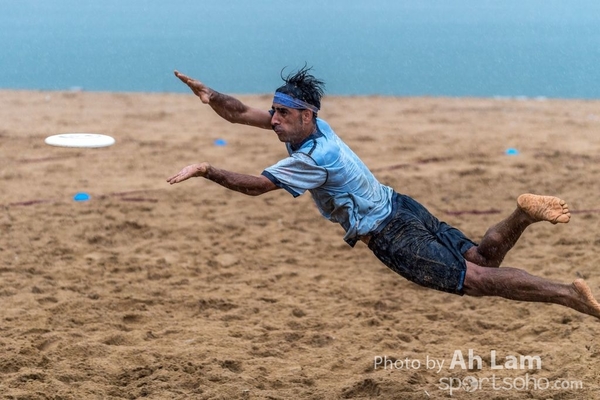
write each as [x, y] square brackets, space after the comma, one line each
[81, 197]
[220, 142]
[512, 152]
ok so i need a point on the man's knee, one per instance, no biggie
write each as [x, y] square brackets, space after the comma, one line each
[474, 284]
[475, 256]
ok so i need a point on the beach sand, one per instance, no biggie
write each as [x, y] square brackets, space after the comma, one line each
[196, 292]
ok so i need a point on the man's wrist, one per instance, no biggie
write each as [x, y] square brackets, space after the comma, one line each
[211, 94]
[207, 171]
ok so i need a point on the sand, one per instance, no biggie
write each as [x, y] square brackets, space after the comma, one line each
[196, 292]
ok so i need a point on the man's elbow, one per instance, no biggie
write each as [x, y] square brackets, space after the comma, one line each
[257, 191]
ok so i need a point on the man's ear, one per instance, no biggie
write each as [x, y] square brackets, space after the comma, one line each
[307, 116]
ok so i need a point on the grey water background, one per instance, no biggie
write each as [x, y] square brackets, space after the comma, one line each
[482, 48]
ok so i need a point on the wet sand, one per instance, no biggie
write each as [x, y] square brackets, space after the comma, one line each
[195, 292]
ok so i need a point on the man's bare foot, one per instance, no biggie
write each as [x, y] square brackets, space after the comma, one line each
[544, 208]
[589, 304]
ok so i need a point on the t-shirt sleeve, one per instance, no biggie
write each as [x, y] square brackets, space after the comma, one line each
[296, 174]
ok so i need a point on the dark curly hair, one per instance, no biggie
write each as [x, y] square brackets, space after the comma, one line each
[303, 86]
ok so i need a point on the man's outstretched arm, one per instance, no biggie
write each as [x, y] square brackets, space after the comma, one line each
[247, 184]
[226, 106]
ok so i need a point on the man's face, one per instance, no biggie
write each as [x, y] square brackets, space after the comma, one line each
[290, 124]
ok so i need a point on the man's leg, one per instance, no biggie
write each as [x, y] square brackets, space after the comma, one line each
[500, 238]
[516, 284]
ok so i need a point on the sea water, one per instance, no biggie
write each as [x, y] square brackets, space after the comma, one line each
[483, 48]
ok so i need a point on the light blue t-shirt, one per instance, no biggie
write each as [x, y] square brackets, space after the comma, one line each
[341, 185]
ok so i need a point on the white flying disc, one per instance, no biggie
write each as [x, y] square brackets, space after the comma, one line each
[80, 140]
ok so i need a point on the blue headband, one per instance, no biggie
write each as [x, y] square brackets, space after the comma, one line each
[292, 102]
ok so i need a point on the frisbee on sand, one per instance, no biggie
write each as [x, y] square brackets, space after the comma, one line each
[90, 140]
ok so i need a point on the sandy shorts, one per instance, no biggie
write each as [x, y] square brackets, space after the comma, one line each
[421, 248]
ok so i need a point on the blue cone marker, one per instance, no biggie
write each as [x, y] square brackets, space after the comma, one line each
[512, 152]
[220, 142]
[81, 197]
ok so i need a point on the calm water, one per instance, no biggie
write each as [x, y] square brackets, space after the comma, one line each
[548, 48]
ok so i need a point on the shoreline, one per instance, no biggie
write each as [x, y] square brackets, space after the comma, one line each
[495, 97]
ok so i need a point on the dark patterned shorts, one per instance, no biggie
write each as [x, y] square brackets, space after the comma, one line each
[421, 248]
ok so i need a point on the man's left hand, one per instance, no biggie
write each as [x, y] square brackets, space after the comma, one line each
[188, 172]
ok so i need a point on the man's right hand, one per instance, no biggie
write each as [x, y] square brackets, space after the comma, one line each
[228, 107]
[196, 86]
